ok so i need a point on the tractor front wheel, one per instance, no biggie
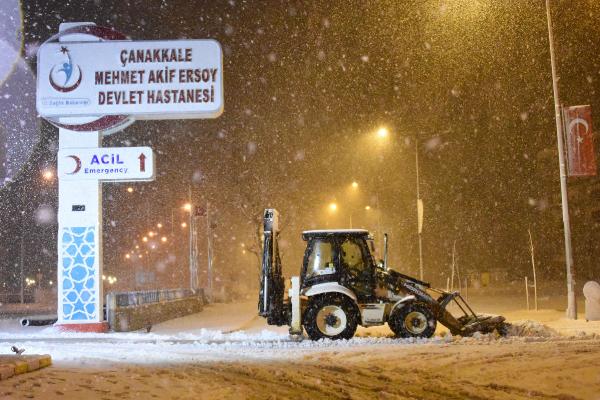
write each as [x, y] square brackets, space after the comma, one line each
[330, 316]
[413, 320]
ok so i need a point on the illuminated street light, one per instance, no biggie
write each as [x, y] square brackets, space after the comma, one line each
[159, 225]
[140, 256]
[367, 208]
[187, 207]
[137, 246]
[354, 185]
[127, 256]
[383, 132]
[47, 174]
[129, 189]
[163, 239]
[332, 207]
[151, 234]
[145, 239]
[184, 225]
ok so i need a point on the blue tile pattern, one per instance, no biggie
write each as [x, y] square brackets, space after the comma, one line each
[78, 292]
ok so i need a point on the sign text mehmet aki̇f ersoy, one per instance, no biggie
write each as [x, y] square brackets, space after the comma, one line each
[166, 75]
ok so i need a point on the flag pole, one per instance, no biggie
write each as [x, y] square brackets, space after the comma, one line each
[571, 303]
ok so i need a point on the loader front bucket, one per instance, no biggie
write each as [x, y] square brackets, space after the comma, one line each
[469, 322]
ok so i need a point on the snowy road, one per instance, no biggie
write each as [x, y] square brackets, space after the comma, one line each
[225, 353]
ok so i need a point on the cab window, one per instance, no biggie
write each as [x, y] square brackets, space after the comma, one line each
[352, 257]
[320, 260]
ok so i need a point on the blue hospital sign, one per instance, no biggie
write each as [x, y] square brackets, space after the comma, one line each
[107, 164]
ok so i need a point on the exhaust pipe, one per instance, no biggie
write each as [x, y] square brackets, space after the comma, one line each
[385, 251]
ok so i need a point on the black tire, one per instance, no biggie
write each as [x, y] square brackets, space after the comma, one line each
[412, 320]
[503, 329]
[330, 316]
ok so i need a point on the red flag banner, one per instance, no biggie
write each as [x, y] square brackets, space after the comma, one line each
[580, 144]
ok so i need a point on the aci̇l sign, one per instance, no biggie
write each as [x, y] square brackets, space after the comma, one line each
[106, 164]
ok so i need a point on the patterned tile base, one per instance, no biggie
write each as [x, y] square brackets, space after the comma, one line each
[78, 292]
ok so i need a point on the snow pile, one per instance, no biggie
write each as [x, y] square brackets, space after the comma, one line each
[530, 328]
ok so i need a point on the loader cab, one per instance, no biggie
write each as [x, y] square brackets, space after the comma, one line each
[341, 256]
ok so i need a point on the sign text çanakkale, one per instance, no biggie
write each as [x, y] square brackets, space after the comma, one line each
[145, 79]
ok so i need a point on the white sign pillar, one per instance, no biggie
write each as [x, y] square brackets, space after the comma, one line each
[80, 297]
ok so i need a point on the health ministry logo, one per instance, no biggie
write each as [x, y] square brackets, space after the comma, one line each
[65, 76]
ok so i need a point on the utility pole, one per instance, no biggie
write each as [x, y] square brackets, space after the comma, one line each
[532, 250]
[209, 252]
[379, 230]
[453, 266]
[193, 243]
[571, 303]
[172, 221]
[22, 261]
[419, 210]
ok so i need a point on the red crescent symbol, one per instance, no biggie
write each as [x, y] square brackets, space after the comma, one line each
[68, 88]
[77, 167]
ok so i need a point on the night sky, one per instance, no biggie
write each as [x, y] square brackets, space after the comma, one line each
[307, 86]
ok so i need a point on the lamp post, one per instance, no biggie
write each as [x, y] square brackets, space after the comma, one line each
[193, 263]
[571, 303]
[383, 133]
[419, 210]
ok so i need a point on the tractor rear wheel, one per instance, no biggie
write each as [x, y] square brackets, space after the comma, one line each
[412, 320]
[330, 316]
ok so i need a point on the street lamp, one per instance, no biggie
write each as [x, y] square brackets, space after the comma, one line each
[47, 174]
[571, 300]
[332, 207]
[383, 133]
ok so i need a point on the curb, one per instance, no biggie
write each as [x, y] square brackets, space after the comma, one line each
[15, 365]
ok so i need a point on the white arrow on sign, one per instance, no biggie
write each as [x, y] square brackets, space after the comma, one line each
[107, 164]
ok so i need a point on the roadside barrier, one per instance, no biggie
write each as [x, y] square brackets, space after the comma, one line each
[130, 311]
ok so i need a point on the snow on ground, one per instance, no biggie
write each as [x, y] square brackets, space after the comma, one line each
[227, 352]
